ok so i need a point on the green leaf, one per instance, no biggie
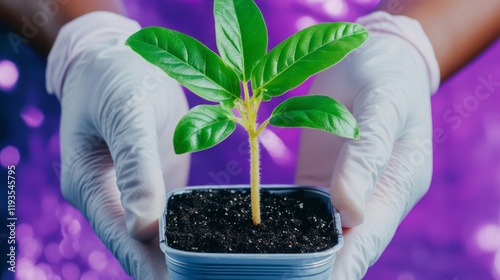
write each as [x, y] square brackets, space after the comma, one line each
[304, 54]
[241, 34]
[316, 111]
[203, 127]
[189, 62]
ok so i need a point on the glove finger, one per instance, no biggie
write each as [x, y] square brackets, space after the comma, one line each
[88, 182]
[163, 97]
[130, 132]
[396, 193]
[360, 162]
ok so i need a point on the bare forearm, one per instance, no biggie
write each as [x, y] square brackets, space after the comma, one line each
[458, 29]
[39, 21]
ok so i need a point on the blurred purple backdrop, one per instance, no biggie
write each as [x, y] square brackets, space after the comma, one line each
[453, 232]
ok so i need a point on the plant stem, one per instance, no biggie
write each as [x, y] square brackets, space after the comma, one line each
[253, 134]
[249, 118]
[248, 101]
[262, 126]
[255, 176]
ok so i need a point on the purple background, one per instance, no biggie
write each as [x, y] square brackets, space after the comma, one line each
[453, 232]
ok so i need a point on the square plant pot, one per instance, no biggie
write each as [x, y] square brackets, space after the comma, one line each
[183, 265]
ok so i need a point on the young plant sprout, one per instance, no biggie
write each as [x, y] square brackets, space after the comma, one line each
[245, 75]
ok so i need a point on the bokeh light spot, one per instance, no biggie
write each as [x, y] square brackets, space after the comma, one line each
[98, 260]
[305, 22]
[336, 8]
[47, 270]
[24, 231]
[488, 238]
[9, 156]
[8, 75]
[74, 228]
[25, 269]
[31, 248]
[276, 148]
[68, 249]
[32, 116]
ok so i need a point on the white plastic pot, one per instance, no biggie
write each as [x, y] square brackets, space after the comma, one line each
[183, 265]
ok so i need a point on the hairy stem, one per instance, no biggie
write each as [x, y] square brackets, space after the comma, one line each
[251, 106]
[255, 176]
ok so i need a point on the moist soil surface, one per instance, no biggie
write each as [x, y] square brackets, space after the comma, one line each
[219, 221]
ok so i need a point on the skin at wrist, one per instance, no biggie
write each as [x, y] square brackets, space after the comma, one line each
[38, 22]
[458, 30]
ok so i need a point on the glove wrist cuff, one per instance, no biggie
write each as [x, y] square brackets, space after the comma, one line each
[79, 34]
[409, 30]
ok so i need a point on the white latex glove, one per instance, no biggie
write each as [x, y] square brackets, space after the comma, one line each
[376, 180]
[118, 117]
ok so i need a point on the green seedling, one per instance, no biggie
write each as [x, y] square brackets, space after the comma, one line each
[245, 75]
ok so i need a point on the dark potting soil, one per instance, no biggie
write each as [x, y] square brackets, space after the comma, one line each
[219, 221]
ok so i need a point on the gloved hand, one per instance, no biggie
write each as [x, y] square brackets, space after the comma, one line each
[118, 117]
[376, 180]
